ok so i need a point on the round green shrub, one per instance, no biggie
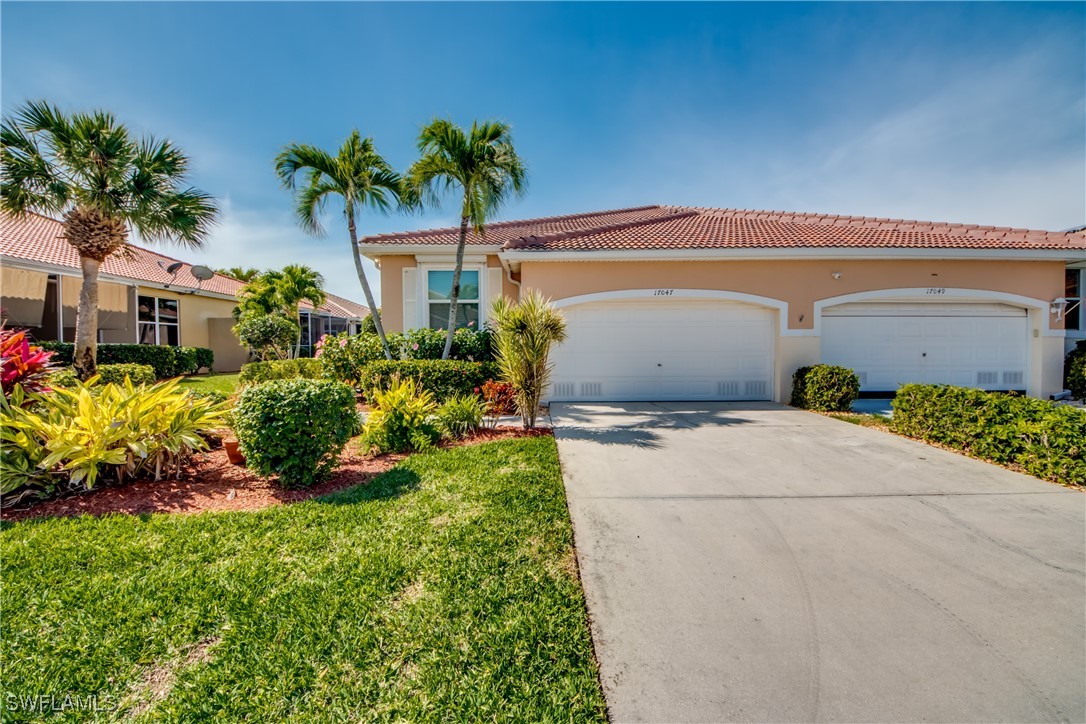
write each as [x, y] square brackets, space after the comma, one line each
[295, 428]
[825, 388]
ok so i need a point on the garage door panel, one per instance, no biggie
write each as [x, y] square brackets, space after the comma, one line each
[667, 349]
[972, 345]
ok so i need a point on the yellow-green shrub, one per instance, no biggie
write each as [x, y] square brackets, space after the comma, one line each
[401, 419]
[72, 437]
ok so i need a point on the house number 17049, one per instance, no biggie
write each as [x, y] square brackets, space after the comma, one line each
[663, 292]
[936, 290]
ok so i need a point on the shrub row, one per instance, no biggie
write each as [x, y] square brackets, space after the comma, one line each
[444, 379]
[107, 374]
[826, 388]
[166, 361]
[280, 369]
[1044, 439]
[344, 356]
[1075, 370]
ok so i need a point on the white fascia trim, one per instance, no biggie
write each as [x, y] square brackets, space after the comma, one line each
[1069, 255]
[443, 250]
[958, 295]
[778, 304]
[449, 259]
[68, 271]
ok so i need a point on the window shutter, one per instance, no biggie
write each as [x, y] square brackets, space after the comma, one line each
[410, 299]
[494, 277]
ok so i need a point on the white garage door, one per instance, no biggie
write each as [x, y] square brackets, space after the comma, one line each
[666, 349]
[967, 344]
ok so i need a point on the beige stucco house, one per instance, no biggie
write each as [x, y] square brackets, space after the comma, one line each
[140, 300]
[680, 303]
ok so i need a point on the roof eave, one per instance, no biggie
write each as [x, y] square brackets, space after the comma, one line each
[751, 254]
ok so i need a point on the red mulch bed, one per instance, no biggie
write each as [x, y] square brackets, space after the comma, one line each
[210, 482]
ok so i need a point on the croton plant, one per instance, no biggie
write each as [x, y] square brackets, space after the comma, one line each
[23, 363]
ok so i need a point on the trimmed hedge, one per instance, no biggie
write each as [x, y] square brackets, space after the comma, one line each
[344, 355]
[1042, 438]
[166, 361]
[295, 428]
[825, 388]
[280, 369]
[442, 378]
[139, 374]
[1075, 371]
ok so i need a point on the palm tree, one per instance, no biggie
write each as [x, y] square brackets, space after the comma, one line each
[525, 333]
[483, 164]
[295, 283]
[357, 174]
[88, 168]
[242, 274]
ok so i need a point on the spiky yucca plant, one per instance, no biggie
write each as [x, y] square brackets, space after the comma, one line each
[525, 333]
[89, 169]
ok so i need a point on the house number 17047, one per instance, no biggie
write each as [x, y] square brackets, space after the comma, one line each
[663, 292]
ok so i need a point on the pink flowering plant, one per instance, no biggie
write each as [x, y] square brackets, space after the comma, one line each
[24, 364]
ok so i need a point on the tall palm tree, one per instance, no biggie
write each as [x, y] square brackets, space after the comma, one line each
[483, 163]
[295, 283]
[88, 168]
[358, 175]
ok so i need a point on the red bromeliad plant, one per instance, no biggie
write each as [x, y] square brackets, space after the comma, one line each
[23, 363]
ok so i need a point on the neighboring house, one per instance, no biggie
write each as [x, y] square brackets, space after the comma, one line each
[138, 300]
[680, 303]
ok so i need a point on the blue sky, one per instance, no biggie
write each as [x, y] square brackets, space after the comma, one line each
[952, 112]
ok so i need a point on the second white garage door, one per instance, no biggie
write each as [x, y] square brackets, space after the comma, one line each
[666, 349]
[966, 344]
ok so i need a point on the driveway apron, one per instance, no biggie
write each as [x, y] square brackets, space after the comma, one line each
[752, 562]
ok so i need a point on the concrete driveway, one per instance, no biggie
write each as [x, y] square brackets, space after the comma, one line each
[751, 562]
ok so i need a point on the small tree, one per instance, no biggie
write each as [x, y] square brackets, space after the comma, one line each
[268, 336]
[279, 292]
[525, 333]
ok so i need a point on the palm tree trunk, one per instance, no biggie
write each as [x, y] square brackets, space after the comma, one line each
[374, 312]
[455, 296]
[86, 321]
[298, 340]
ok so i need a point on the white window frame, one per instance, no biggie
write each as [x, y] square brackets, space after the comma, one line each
[1079, 333]
[157, 322]
[422, 284]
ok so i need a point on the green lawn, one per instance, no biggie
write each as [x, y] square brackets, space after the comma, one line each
[443, 590]
[226, 383]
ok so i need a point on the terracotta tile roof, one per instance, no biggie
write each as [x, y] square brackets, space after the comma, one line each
[38, 239]
[681, 227]
[503, 232]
